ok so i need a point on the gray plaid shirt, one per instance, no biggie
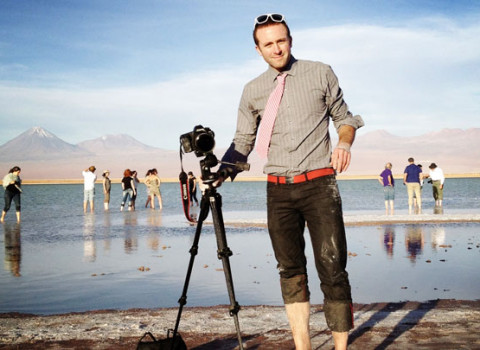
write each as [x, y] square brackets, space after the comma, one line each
[300, 140]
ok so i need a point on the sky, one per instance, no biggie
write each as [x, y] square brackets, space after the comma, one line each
[154, 69]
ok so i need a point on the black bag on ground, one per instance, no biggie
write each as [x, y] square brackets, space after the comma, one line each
[148, 342]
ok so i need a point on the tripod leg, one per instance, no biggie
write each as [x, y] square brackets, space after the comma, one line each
[204, 207]
[224, 253]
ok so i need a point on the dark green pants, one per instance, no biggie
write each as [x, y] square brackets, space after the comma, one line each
[315, 203]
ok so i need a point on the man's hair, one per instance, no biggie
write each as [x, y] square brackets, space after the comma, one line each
[269, 22]
[411, 160]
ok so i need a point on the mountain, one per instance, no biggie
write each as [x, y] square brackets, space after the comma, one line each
[38, 143]
[454, 150]
[111, 144]
[42, 155]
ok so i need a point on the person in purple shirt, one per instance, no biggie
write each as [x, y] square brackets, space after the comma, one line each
[412, 176]
[386, 179]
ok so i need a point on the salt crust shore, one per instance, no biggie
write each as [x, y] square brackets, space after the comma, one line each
[369, 219]
[438, 324]
[239, 178]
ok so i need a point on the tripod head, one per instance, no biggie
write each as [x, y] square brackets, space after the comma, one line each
[210, 161]
[206, 164]
[201, 141]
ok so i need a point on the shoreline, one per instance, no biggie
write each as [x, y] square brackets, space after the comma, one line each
[238, 179]
[434, 324]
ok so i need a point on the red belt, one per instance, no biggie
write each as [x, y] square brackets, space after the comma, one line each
[302, 177]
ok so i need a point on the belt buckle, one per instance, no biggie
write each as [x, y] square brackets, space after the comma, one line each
[289, 180]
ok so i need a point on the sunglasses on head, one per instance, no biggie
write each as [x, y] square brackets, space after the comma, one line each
[275, 17]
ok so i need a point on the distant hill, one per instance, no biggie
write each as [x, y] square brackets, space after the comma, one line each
[454, 150]
[39, 144]
[42, 155]
[113, 144]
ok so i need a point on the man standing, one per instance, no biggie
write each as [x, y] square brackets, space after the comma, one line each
[438, 179]
[89, 179]
[386, 179]
[411, 178]
[301, 189]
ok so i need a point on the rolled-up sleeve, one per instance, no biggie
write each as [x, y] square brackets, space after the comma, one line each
[337, 107]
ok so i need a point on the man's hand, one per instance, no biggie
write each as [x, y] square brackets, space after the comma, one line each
[218, 182]
[341, 154]
[341, 157]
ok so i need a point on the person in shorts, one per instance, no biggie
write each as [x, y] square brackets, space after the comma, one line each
[89, 179]
[388, 183]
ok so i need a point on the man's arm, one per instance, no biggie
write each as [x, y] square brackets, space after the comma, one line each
[341, 154]
[380, 179]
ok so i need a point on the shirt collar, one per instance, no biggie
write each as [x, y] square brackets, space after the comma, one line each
[290, 69]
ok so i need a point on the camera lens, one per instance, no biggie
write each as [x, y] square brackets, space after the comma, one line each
[205, 142]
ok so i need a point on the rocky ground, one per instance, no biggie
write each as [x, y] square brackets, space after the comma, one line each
[439, 324]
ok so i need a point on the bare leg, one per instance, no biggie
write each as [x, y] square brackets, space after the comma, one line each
[85, 206]
[386, 207]
[391, 208]
[299, 317]
[340, 339]
[92, 207]
[18, 216]
[2, 219]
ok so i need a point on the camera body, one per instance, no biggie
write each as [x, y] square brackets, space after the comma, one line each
[201, 141]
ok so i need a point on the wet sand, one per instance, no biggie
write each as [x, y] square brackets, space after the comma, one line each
[373, 219]
[439, 324]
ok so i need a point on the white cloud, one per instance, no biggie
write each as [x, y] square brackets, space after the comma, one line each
[407, 80]
[154, 114]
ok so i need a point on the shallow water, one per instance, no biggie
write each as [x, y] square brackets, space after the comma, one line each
[60, 260]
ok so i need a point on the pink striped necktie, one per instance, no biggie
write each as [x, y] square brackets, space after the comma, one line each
[269, 115]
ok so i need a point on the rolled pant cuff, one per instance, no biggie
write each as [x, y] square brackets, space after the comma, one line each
[339, 315]
[295, 289]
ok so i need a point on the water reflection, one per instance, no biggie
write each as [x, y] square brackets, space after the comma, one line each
[381, 252]
[154, 218]
[13, 248]
[107, 231]
[438, 210]
[437, 237]
[89, 244]
[389, 240]
[414, 241]
[130, 241]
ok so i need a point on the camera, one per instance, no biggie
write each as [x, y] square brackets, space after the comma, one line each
[201, 141]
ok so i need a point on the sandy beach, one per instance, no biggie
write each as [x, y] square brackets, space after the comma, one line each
[437, 324]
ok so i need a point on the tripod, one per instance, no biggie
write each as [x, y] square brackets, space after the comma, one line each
[211, 199]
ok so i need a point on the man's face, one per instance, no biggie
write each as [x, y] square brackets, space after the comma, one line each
[274, 45]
